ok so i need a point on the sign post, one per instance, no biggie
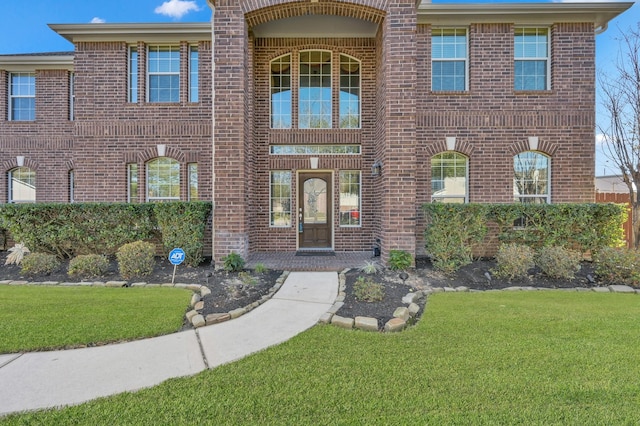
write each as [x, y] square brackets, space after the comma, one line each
[176, 257]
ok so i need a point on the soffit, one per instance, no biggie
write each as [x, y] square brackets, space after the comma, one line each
[316, 26]
[33, 62]
[132, 33]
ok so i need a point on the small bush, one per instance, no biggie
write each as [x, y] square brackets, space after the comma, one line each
[370, 268]
[260, 268]
[247, 278]
[39, 263]
[618, 266]
[136, 259]
[399, 260]
[558, 262]
[88, 265]
[514, 261]
[233, 262]
[367, 290]
[16, 254]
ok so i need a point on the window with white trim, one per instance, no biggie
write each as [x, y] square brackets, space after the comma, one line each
[72, 96]
[163, 179]
[280, 83]
[133, 74]
[193, 74]
[163, 74]
[22, 96]
[349, 93]
[531, 179]
[132, 183]
[22, 185]
[449, 177]
[280, 199]
[72, 186]
[350, 195]
[314, 90]
[449, 59]
[531, 67]
[192, 171]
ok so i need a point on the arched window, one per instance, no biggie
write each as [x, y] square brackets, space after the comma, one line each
[531, 178]
[163, 179]
[22, 185]
[449, 177]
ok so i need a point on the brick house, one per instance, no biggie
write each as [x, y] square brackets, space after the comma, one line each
[311, 125]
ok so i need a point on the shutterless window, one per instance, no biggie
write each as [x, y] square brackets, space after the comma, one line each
[531, 178]
[350, 194]
[449, 174]
[72, 186]
[193, 181]
[164, 74]
[163, 180]
[22, 185]
[531, 67]
[449, 59]
[280, 83]
[133, 74]
[349, 92]
[314, 97]
[22, 96]
[132, 183]
[280, 199]
[193, 74]
[72, 96]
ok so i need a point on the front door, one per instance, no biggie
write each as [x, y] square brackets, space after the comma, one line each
[314, 210]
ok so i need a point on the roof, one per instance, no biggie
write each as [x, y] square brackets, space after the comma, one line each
[26, 62]
[132, 33]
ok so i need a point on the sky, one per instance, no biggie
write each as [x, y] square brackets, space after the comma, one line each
[23, 29]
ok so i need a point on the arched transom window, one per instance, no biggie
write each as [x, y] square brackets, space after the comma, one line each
[531, 177]
[22, 185]
[163, 179]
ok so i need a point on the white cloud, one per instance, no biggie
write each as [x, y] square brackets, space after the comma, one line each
[97, 20]
[600, 139]
[177, 8]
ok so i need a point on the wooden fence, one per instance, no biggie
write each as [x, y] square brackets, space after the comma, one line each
[618, 198]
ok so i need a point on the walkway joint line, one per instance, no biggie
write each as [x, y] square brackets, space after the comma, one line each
[11, 360]
[204, 357]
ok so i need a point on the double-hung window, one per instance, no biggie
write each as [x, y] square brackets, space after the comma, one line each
[449, 172]
[314, 90]
[449, 59]
[350, 198]
[163, 180]
[22, 185]
[280, 199]
[531, 178]
[531, 67]
[280, 83]
[22, 96]
[163, 75]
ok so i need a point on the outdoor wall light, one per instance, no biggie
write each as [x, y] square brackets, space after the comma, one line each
[376, 168]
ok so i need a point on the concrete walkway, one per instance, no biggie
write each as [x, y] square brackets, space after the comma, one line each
[49, 379]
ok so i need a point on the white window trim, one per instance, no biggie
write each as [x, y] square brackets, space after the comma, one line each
[72, 96]
[466, 60]
[146, 182]
[359, 90]
[290, 89]
[546, 58]
[10, 198]
[194, 48]
[12, 96]
[271, 225]
[466, 181]
[333, 98]
[359, 225]
[516, 198]
[149, 73]
[131, 73]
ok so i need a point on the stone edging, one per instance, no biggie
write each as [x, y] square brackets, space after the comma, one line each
[404, 315]
[194, 316]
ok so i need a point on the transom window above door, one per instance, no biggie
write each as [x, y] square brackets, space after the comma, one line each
[318, 86]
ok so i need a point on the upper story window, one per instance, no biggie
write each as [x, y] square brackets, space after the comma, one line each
[133, 74]
[317, 84]
[163, 74]
[531, 67]
[22, 185]
[22, 96]
[449, 59]
[193, 74]
[163, 179]
[449, 177]
[531, 178]
[72, 96]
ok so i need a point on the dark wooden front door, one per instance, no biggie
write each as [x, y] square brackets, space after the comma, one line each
[314, 210]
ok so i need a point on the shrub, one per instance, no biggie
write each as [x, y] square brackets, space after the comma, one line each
[136, 259]
[247, 278]
[513, 261]
[233, 262]
[399, 260]
[260, 268]
[367, 290]
[370, 268]
[16, 254]
[88, 265]
[558, 262]
[40, 263]
[618, 266]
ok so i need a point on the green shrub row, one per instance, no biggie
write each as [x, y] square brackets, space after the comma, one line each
[513, 261]
[453, 229]
[68, 230]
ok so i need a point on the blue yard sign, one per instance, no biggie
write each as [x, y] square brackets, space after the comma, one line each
[176, 256]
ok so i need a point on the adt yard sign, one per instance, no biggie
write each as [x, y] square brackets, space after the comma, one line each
[176, 257]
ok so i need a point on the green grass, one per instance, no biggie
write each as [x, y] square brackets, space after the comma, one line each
[42, 317]
[530, 358]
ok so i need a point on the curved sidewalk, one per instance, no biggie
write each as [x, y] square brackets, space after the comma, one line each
[39, 380]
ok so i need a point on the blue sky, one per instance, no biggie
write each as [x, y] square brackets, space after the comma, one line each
[23, 26]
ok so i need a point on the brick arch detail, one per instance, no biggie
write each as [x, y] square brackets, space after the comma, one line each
[69, 165]
[545, 147]
[13, 163]
[311, 46]
[171, 152]
[368, 10]
[462, 147]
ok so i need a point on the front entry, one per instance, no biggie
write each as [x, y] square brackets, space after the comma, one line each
[314, 210]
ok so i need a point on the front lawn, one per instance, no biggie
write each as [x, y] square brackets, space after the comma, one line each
[534, 358]
[47, 317]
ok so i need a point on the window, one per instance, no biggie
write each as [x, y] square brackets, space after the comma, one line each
[193, 181]
[193, 74]
[531, 178]
[280, 199]
[281, 92]
[314, 97]
[133, 74]
[164, 74]
[22, 96]
[72, 186]
[350, 198]
[349, 92]
[132, 183]
[72, 96]
[531, 47]
[449, 171]
[163, 180]
[22, 185]
[449, 59]
[314, 149]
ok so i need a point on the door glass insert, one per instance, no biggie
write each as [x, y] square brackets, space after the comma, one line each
[315, 201]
